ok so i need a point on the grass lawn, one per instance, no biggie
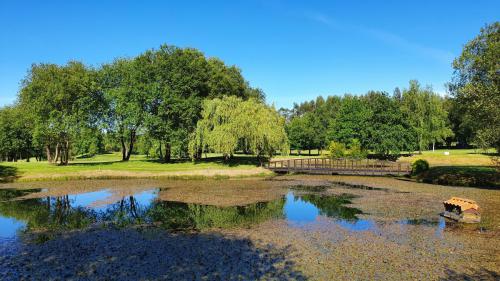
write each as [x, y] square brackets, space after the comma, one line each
[462, 167]
[478, 176]
[111, 166]
[456, 157]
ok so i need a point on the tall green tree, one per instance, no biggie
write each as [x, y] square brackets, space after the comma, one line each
[350, 121]
[15, 134]
[128, 95]
[302, 132]
[437, 120]
[231, 121]
[182, 79]
[387, 131]
[476, 83]
[60, 101]
[426, 112]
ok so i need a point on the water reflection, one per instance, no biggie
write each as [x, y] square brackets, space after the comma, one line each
[78, 211]
[439, 224]
[301, 209]
[297, 207]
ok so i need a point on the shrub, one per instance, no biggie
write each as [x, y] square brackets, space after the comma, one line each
[356, 151]
[336, 149]
[419, 166]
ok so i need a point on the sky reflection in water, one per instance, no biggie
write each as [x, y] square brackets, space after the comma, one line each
[299, 209]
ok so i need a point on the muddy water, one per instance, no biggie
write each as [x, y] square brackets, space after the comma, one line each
[318, 228]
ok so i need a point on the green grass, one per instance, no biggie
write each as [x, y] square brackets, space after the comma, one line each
[456, 157]
[112, 162]
[462, 167]
[475, 176]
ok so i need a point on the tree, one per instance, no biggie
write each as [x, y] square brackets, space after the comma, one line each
[387, 131]
[127, 95]
[301, 134]
[476, 83]
[426, 113]
[15, 134]
[350, 121]
[182, 79]
[229, 122]
[437, 120]
[60, 101]
[460, 123]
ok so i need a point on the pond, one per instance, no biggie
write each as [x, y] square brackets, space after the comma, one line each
[27, 210]
[222, 229]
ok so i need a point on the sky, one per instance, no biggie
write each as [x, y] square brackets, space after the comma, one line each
[293, 50]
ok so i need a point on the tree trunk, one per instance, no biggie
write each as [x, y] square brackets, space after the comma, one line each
[127, 150]
[56, 156]
[161, 152]
[168, 152]
[124, 149]
[130, 145]
[66, 151]
[309, 152]
[49, 156]
[433, 146]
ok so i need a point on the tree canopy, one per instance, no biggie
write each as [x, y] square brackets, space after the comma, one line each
[231, 123]
[476, 84]
[60, 101]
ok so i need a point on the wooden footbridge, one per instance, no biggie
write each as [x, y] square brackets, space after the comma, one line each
[328, 166]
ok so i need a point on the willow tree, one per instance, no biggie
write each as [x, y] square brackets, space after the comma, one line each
[231, 123]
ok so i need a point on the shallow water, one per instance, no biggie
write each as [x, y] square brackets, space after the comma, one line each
[251, 229]
[298, 207]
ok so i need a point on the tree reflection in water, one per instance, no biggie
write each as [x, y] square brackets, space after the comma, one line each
[332, 206]
[53, 213]
[44, 213]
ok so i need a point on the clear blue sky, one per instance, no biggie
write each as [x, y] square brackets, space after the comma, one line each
[293, 50]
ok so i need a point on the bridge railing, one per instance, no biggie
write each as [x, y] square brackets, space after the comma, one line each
[340, 164]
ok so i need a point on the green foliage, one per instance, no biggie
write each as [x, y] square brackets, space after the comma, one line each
[336, 149]
[419, 166]
[60, 101]
[426, 112]
[476, 84]
[231, 123]
[387, 132]
[350, 121]
[356, 151]
[305, 132]
[15, 134]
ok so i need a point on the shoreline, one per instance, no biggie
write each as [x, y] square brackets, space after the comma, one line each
[126, 174]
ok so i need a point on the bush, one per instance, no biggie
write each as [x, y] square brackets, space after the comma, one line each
[356, 151]
[419, 166]
[336, 149]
